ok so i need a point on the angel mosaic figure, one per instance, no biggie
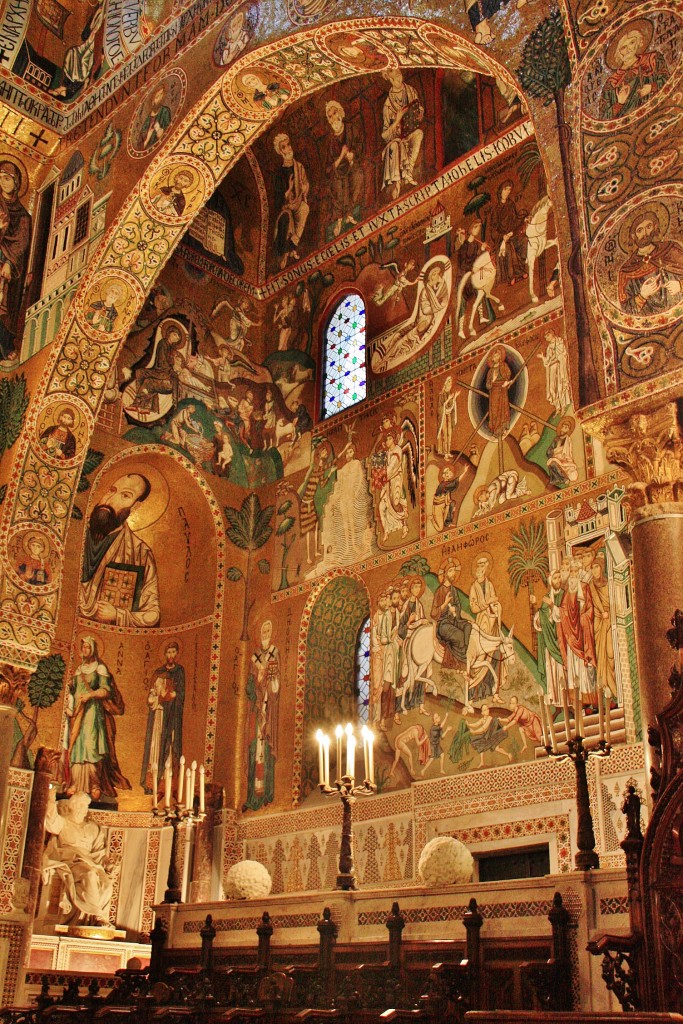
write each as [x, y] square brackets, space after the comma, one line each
[394, 475]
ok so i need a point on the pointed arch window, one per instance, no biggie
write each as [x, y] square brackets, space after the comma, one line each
[344, 355]
[363, 672]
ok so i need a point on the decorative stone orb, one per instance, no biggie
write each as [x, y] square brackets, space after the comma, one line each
[445, 861]
[248, 880]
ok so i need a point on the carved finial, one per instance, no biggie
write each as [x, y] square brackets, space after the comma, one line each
[631, 808]
[158, 932]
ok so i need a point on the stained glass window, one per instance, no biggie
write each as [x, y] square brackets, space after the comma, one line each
[344, 380]
[363, 671]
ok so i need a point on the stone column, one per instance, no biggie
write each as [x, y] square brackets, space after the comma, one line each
[7, 717]
[648, 444]
[44, 772]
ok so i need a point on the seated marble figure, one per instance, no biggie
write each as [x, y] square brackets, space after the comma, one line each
[77, 853]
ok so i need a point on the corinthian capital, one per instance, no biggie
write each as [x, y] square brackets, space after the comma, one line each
[648, 444]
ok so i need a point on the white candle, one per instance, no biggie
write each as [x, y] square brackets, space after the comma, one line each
[321, 761]
[181, 781]
[168, 782]
[543, 725]
[601, 713]
[202, 796]
[578, 713]
[155, 785]
[608, 721]
[339, 732]
[193, 778]
[351, 757]
[551, 726]
[348, 729]
[188, 777]
[565, 705]
[326, 751]
[366, 751]
[371, 751]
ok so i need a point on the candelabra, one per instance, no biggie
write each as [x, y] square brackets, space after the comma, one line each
[345, 787]
[188, 808]
[578, 752]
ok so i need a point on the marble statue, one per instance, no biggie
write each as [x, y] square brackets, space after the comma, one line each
[77, 853]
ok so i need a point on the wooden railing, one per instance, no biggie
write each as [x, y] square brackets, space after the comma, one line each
[401, 987]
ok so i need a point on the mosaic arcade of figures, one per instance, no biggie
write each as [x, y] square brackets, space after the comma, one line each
[473, 553]
[456, 533]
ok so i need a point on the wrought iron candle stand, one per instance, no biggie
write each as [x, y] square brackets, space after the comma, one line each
[348, 791]
[174, 816]
[578, 753]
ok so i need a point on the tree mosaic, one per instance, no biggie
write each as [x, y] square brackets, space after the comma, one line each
[545, 73]
[249, 529]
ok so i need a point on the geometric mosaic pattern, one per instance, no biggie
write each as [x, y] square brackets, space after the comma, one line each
[18, 798]
[557, 825]
[431, 915]
[614, 905]
[244, 924]
[307, 861]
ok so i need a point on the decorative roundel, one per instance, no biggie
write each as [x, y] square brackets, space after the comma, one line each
[61, 432]
[257, 90]
[155, 114]
[636, 63]
[455, 52]
[109, 305]
[637, 261]
[33, 560]
[350, 47]
[236, 33]
[177, 189]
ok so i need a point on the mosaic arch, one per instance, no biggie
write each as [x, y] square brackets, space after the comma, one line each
[176, 630]
[174, 187]
[332, 606]
[630, 157]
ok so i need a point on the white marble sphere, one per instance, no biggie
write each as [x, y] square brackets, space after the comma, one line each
[248, 880]
[445, 861]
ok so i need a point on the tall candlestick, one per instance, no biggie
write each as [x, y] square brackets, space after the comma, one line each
[188, 777]
[168, 783]
[339, 732]
[181, 781]
[202, 794]
[155, 785]
[608, 720]
[321, 762]
[326, 752]
[551, 726]
[189, 797]
[544, 729]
